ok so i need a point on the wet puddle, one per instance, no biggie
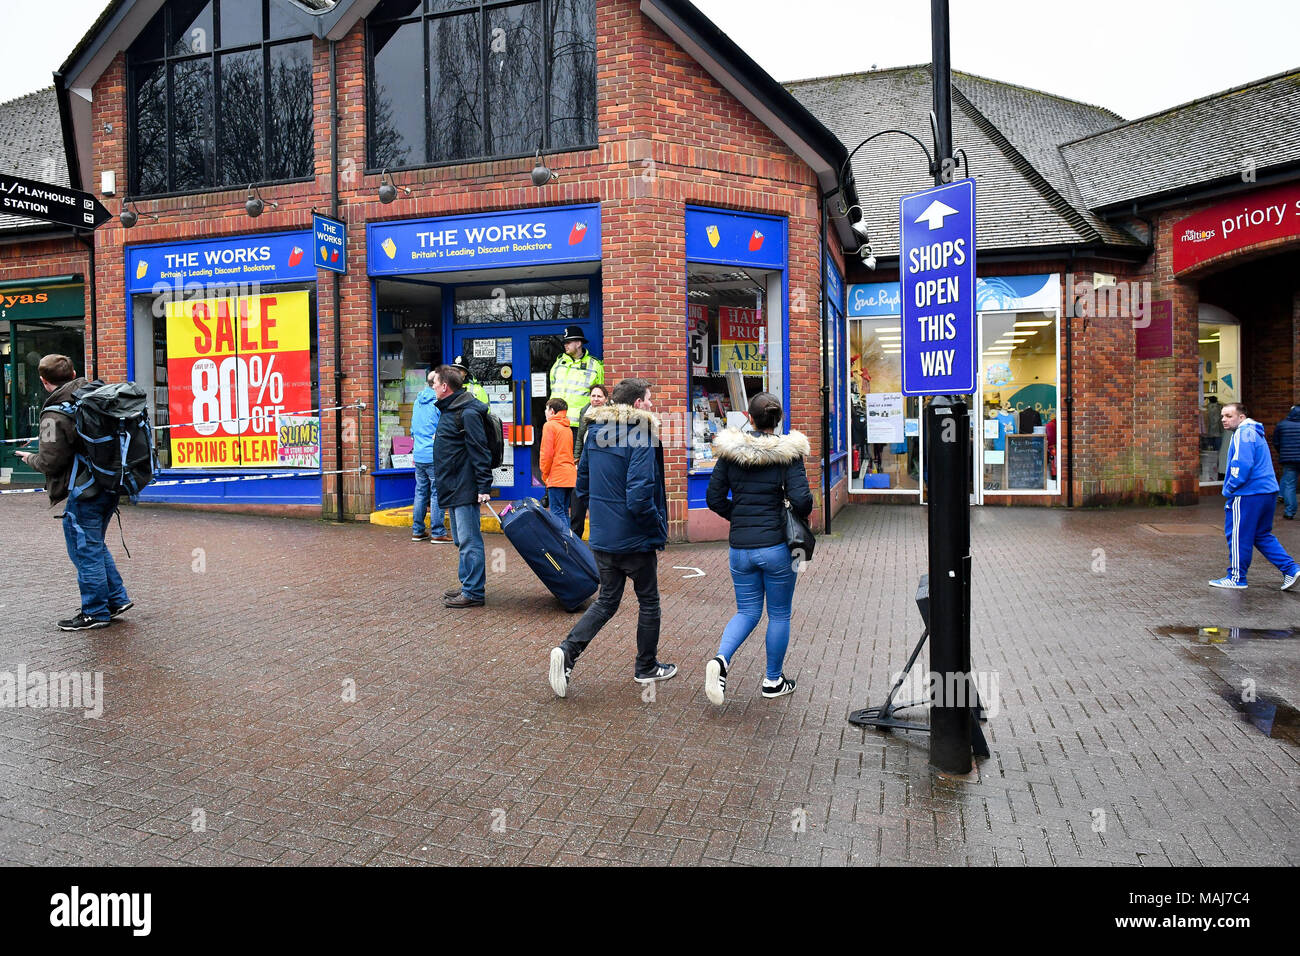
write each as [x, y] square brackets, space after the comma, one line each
[1268, 713]
[1227, 635]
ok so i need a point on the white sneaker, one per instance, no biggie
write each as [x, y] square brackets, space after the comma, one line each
[559, 672]
[715, 680]
[1288, 580]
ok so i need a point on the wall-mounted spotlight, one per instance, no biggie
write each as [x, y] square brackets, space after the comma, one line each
[388, 191]
[541, 173]
[254, 204]
[868, 257]
[131, 214]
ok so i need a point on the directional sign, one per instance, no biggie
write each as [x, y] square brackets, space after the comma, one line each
[57, 204]
[330, 247]
[937, 259]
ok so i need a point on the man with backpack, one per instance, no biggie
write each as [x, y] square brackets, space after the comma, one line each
[462, 476]
[87, 512]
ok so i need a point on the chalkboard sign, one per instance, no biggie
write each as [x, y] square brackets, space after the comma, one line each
[1027, 461]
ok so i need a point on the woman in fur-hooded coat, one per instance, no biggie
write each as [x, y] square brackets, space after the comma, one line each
[753, 476]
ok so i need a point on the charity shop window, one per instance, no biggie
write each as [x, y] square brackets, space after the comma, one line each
[454, 80]
[220, 95]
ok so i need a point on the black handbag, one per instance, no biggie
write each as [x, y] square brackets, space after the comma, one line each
[799, 535]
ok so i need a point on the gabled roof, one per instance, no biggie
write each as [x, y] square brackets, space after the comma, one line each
[1191, 145]
[768, 100]
[31, 146]
[1026, 198]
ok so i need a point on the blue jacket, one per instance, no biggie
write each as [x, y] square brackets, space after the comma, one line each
[424, 424]
[621, 474]
[462, 461]
[1250, 465]
[1287, 437]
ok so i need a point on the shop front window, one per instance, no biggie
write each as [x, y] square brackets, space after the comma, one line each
[409, 345]
[567, 300]
[219, 96]
[884, 424]
[500, 79]
[221, 367]
[1019, 401]
[1219, 345]
[735, 348]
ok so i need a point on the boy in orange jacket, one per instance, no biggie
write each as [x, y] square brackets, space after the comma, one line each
[558, 470]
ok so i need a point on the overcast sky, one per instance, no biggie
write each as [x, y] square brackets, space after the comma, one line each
[1132, 56]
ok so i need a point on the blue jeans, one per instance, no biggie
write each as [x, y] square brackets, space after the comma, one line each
[84, 524]
[559, 499]
[425, 494]
[759, 572]
[1289, 475]
[468, 535]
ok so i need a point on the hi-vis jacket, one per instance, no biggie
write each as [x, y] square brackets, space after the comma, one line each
[571, 380]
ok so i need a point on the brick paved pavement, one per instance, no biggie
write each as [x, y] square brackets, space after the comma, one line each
[224, 692]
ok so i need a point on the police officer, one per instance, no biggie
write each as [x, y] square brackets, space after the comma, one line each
[472, 385]
[574, 373]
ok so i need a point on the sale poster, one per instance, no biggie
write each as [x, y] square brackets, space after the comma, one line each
[697, 335]
[740, 333]
[298, 440]
[234, 364]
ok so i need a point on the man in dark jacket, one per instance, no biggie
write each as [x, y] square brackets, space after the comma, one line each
[1287, 438]
[103, 596]
[621, 473]
[462, 477]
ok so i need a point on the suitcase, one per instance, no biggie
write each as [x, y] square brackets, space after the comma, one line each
[557, 556]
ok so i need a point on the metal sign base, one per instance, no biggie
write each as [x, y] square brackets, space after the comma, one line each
[882, 717]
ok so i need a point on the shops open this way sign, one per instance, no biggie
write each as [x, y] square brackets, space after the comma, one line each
[937, 261]
[51, 203]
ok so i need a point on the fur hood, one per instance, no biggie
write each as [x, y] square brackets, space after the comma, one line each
[626, 416]
[751, 450]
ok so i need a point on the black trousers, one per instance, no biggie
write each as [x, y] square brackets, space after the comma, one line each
[578, 518]
[615, 569]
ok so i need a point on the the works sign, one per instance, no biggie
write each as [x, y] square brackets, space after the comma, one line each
[1236, 223]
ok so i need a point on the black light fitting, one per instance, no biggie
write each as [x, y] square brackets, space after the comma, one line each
[131, 214]
[254, 204]
[387, 190]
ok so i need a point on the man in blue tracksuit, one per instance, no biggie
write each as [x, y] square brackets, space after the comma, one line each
[1251, 489]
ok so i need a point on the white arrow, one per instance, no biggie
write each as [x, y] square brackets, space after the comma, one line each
[935, 213]
[698, 573]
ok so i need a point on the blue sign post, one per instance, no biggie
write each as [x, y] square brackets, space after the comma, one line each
[330, 248]
[937, 265]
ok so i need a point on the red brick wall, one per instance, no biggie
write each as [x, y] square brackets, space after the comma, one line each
[43, 258]
[669, 135]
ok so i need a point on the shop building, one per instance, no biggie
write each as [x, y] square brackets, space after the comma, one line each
[1129, 272]
[43, 299]
[679, 224]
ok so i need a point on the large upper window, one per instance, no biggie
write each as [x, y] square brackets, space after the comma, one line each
[221, 95]
[499, 79]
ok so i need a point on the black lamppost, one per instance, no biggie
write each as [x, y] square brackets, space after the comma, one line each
[946, 607]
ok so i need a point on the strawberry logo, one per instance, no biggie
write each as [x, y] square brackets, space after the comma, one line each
[577, 233]
[755, 241]
[295, 256]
